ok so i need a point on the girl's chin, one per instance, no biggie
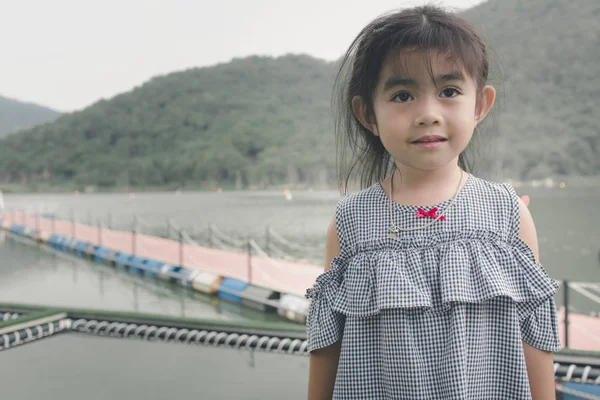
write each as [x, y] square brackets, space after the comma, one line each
[429, 163]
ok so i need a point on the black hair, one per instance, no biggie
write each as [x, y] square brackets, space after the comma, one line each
[422, 28]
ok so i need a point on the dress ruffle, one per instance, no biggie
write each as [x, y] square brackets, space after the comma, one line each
[324, 325]
[390, 274]
[540, 329]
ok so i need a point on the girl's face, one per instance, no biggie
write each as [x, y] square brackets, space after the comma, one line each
[423, 123]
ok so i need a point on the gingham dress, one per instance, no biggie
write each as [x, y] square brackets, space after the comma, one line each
[437, 313]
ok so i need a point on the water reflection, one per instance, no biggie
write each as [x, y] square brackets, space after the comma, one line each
[46, 277]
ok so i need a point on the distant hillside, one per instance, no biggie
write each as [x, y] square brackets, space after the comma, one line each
[260, 121]
[16, 115]
[251, 121]
[548, 108]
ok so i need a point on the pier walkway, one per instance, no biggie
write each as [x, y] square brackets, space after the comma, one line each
[255, 267]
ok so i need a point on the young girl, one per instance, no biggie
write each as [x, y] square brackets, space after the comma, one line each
[432, 287]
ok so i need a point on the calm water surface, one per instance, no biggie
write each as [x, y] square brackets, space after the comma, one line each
[43, 277]
[568, 227]
[75, 366]
[568, 231]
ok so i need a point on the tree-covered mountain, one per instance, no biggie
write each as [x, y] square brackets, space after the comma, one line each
[548, 52]
[16, 115]
[261, 121]
[252, 120]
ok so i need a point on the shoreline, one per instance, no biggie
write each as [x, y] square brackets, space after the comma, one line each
[19, 189]
[26, 189]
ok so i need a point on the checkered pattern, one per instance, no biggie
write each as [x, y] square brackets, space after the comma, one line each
[438, 313]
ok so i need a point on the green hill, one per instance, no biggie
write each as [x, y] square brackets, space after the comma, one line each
[251, 120]
[548, 52]
[264, 121]
[16, 115]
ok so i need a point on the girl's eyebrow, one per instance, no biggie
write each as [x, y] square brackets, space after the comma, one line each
[395, 81]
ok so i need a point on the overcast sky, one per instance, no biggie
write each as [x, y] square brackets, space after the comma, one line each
[67, 54]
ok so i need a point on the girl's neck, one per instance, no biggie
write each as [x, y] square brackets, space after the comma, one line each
[424, 187]
[414, 179]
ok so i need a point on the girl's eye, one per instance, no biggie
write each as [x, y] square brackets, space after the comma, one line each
[450, 92]
[402, 97]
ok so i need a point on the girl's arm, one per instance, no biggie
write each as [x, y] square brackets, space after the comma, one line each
[324, 362]
[322, 370]
[540, 364]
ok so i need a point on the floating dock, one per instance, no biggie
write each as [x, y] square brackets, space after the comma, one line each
[253, 279]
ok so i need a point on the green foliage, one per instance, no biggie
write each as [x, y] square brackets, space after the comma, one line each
[261, 121]
[16, 115]
[546, 59]
[248, 121]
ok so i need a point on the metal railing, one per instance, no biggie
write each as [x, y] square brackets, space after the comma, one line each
[217, 239]
[272, 242]
[276, 247]
[585, 289]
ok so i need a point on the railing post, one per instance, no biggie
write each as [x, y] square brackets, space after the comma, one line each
[99, 222]
[72, 223]
[566, 307]
[109, 221]
[268, 241]
[210, 236]
[133, 233]
[180, 248]
[37, 220]
[249, 261]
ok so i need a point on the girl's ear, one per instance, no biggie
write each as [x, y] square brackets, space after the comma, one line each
[359, 110]
[485, 103]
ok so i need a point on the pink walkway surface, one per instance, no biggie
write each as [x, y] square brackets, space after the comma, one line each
[584, 331]
[278, 275]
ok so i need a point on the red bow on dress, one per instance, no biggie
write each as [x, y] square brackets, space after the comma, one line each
[431, 213]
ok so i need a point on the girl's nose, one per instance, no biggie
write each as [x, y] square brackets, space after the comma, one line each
[427, 115]
[428, 120]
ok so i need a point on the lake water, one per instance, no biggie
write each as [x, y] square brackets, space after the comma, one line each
[76, 366]
[567, 225]
[43, 277]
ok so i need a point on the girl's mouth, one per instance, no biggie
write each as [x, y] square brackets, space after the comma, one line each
[430, 141]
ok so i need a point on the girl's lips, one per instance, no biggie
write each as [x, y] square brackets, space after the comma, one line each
[429, 138]
[430, 145]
